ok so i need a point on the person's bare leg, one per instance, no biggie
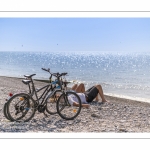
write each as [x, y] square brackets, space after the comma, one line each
[96, 98]
[79, 89]
[99, 87]
[83, 105]
[74, 87]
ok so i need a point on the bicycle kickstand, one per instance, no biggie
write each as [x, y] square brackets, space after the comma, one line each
[45, 114]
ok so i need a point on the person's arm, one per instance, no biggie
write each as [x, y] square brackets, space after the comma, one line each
[83, 105]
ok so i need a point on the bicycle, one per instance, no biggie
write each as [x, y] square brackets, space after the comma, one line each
[25, 106]
[21, 98]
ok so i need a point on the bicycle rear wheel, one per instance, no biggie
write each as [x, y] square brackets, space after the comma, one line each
[5, 112]
[21, 107]
[65, 109]
[51, 103]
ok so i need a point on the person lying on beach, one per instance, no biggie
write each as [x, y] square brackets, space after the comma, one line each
[86, 96]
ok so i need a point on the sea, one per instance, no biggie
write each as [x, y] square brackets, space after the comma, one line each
[121, 74]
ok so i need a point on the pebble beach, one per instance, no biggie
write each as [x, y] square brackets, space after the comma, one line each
[117, 116]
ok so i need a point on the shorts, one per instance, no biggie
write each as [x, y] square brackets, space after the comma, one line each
[91, 94]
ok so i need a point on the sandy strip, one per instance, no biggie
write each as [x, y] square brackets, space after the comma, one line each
[119, 115]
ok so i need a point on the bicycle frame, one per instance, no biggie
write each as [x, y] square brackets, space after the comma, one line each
[47, 88]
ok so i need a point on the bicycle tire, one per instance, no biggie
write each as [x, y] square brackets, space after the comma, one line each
[51, 103]
[64, 109]
[5, 112]
[20, 111]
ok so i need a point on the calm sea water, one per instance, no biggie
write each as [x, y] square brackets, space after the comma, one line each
[124, 75]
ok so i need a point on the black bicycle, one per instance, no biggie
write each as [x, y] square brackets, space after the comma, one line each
[22, 106]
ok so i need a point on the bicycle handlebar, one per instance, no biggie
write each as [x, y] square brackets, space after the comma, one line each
[48, 70]
[55, 74]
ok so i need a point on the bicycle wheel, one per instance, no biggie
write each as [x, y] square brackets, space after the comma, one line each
[51, 103]
[21, 107]
[5, 112]
[65, 109]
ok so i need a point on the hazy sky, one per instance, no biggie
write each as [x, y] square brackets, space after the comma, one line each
[74, 34]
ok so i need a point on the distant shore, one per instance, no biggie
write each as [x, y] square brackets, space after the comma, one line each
[119, 115]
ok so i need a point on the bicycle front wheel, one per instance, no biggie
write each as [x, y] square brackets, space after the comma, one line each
[67, 110]
[21, 107]
[51, 103]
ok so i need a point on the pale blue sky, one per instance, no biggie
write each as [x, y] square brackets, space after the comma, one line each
[74, 34]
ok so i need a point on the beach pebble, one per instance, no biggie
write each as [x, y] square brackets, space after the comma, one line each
[95, 115]
[122, 130]
[119, 115]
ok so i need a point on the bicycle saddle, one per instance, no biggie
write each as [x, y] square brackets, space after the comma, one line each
[26, 81]
[29, 76]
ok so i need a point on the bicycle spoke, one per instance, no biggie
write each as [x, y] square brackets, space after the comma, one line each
[20, 110]
[65, 110]
[51, 104]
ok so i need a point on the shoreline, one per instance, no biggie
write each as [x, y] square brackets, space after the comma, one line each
[107, 95]
[119, 115]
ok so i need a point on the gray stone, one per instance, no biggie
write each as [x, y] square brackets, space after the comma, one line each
[95, 115]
